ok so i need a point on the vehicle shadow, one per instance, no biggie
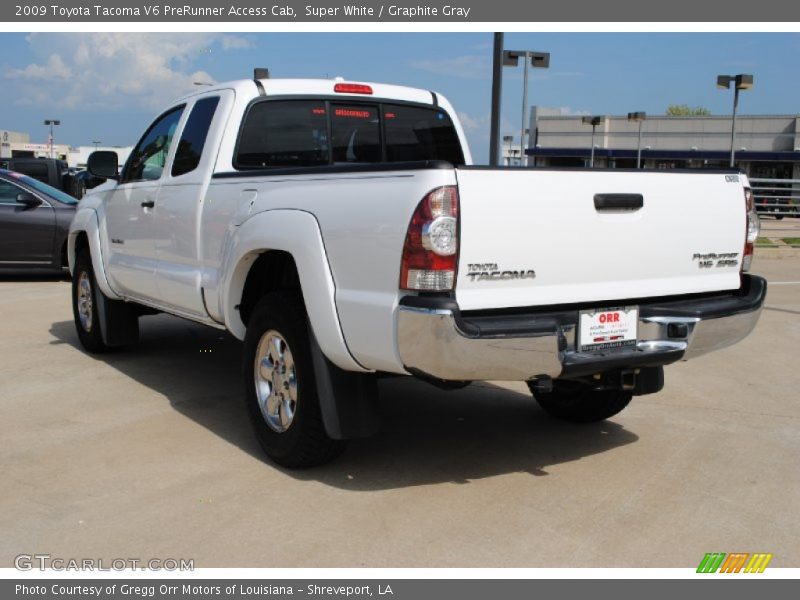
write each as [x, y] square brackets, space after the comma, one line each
[9, 275]
[428, 435]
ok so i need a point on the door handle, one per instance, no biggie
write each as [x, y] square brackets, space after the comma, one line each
[148, 204]
[618, 201]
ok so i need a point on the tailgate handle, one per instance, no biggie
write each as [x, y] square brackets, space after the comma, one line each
[618, 201]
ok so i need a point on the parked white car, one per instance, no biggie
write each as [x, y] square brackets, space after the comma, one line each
[340, 230]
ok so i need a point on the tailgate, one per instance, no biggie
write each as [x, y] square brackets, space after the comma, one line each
[539, 237]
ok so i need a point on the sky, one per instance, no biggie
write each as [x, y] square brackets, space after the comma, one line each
[109, 86]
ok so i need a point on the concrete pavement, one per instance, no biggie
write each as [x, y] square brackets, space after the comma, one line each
[148, 453]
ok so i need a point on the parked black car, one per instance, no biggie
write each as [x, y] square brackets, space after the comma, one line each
[52, 171]
[34, 223]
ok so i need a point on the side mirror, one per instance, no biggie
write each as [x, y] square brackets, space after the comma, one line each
[28, 200]
[103, 163]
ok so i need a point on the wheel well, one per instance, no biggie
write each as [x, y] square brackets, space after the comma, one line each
[64, 255]
[272, 271]
[81, 243]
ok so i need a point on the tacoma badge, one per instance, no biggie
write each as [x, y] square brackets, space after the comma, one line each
[491, 272]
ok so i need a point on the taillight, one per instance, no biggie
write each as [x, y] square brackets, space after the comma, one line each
[753, 229]
[352, 88]
[430, 253]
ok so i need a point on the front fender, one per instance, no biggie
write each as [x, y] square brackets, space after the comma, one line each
[85, 221]
[298, 233]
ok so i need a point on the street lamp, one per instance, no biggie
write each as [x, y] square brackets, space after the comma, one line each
[638, 117]
[539, 60]
[96, 143]
[594, 122]
[741, 82]
[51, 122]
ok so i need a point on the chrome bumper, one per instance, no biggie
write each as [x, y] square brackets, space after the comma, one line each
[436, 341]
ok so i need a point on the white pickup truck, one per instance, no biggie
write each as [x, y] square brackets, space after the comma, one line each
[340, 230]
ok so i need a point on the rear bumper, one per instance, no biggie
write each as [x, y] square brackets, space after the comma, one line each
[437, 340]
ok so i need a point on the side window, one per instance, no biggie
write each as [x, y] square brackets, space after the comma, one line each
[147, 160]
[356, 134]
[291, 133]
[414, 133]
[8, 192]
[193, 137]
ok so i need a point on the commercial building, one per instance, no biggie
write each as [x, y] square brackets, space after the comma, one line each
[766, 146]
[15, 144]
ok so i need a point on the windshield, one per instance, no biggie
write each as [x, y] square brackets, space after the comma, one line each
[48, 190]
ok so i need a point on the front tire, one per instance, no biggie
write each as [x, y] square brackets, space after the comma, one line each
[280, 385]
[84, 305]
[578, 403]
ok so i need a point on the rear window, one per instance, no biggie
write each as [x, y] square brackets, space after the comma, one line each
[295, 133]
[37, 170]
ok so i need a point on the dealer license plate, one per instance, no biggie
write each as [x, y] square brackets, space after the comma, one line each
[608, 328]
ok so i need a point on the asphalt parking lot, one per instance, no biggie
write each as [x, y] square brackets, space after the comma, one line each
[148, 454]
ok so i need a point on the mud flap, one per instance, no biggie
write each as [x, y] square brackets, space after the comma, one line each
[348, 400]
[119, 321]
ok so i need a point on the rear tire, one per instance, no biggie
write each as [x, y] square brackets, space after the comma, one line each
[280, 385]
[578, 403]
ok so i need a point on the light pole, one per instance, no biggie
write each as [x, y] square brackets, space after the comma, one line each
[741, 82]
[594, 122]
[51, 122]
[638, 117]
[539, 60]
[96, 143]
[497, 88]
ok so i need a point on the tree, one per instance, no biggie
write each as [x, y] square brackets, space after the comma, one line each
[684, 110]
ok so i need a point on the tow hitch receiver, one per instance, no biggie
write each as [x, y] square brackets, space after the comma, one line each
[627, 379]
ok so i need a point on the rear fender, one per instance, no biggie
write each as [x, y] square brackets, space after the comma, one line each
[296, 232]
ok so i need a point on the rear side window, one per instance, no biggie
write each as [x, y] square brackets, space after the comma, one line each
[414, 133]
[292, 133]
[193, 137]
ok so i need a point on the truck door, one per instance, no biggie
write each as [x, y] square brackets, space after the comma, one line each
[180, 203]
[130, 210]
